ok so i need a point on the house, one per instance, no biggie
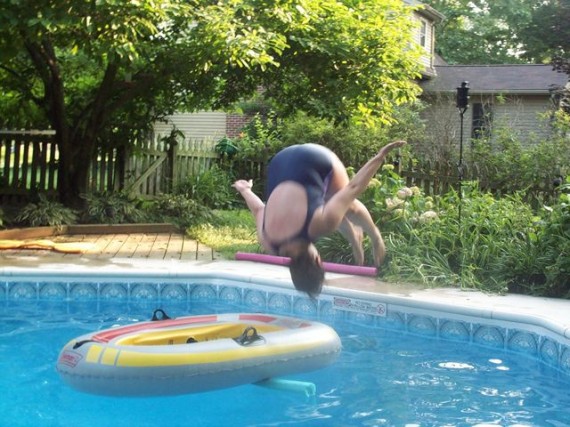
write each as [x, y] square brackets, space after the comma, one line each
[517, 97]
[208, 126]
[426, 19]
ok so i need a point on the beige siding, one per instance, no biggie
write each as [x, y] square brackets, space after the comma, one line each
[520, 114]
[209, 126]
[523, 115]
[428, 44]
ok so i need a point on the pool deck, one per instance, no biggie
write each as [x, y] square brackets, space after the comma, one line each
[170, 253]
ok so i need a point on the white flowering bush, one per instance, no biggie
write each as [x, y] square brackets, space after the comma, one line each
[478, 240]
[396, 206]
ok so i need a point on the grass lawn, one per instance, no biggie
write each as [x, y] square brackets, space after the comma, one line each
[229, 232]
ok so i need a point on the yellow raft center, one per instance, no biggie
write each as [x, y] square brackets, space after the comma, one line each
[124, 352]
[193, 334]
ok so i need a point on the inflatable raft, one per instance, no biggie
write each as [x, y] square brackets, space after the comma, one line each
[195, 353]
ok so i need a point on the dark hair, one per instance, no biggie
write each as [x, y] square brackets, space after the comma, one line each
[307, 274]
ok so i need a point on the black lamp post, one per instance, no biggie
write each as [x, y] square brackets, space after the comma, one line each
[462, 104]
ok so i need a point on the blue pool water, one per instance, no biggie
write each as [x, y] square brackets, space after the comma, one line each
[383, 378]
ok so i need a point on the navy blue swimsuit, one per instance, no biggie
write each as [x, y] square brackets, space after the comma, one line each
[309, 165]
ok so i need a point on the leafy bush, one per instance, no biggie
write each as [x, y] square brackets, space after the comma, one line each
[178, 210]
[260, 140]
[45, 212]
[553, 242]
[210, 188]
[113, 208]
[354, 145]
[494, 244]
[506, 165]
[540, 263]
[516, 167]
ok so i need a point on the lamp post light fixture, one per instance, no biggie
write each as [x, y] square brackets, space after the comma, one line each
[463, 97]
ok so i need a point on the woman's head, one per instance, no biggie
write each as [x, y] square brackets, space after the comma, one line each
[307, 271]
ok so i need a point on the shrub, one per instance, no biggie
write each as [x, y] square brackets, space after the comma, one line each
[45, 212]
[260, 139]
[505, 165]
[540, 263]
[113, 208]
[177, 209]
[264, 136]
[210, 188]
[430, 242]
[354, 145]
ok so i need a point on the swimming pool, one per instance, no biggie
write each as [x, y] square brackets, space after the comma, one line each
[402, 363]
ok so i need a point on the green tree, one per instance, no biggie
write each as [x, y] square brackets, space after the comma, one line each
[480, 31]
[502, 31]
[98, 70]
[547, 36]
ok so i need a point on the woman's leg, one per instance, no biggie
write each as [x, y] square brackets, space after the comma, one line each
[356, 218]
[354, 236]
[360, 217]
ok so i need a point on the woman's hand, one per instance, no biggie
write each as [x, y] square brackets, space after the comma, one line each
[242, 185]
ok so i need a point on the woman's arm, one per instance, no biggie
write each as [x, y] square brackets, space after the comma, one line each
[330, 216]
[253, 202]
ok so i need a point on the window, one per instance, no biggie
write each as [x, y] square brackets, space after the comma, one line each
[423, 33]
[482, 121]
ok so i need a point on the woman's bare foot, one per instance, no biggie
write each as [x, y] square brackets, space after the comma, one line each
[379, 249]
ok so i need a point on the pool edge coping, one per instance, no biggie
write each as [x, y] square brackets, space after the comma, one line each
[456, 301]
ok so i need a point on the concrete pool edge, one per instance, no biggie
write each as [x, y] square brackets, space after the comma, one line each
[530, 326]
[551, 314]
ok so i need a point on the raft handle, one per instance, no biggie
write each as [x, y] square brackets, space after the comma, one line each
[80, 343]
[249, 336]
[159, 314]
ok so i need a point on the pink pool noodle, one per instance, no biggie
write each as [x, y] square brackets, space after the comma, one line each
[328, 266]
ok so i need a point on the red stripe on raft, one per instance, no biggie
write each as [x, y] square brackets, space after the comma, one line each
[108, 335]
[257, 317]
[332, 267]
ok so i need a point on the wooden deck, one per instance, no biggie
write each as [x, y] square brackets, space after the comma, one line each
[150, 243]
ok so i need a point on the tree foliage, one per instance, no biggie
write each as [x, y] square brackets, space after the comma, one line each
[479, 31]
[547, 37]
[99, 71]
[502, 31]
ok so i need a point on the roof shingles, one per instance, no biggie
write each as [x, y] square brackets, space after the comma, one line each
[528, 79]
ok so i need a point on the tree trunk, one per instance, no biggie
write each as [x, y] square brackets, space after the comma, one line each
[77, 135]
[79, 149]
[74, 164]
